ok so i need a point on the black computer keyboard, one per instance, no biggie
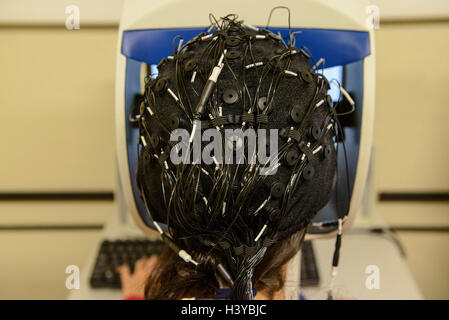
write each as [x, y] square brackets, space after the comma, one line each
[117, 252]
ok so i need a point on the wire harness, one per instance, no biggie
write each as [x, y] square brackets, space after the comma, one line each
[235, 76]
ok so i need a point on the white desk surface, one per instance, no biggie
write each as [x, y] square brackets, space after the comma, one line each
[359, 249]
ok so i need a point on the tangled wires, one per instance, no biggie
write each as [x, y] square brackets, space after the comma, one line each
[249, 82]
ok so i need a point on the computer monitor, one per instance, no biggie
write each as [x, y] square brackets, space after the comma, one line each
[339, 36]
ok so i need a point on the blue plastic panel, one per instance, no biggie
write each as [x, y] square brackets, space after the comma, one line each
[338, 47]
[132, 87]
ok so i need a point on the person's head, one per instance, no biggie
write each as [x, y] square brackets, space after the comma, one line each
[239, 192]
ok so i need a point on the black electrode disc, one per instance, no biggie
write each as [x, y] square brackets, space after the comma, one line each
[296, 114]
[306, 76]
[154, 139]
[315, 131]
[232, 41]
[232, 54]
[277, 189]
[291, 157]
[189, 65]
[160, 84]
[308, 172]
[230, 96]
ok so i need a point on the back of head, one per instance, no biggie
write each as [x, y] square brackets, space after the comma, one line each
[236, 156]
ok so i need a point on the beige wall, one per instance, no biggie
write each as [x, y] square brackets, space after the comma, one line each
[57, 109]
[56, 134]
[411, 142]
[34, 262]
[411, 129]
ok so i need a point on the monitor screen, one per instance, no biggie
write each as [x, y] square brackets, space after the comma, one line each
[330, 74]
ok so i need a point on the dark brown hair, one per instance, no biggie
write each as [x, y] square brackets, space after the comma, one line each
[173, 278]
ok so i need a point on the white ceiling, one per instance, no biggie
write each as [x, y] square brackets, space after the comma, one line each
[108, 11]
